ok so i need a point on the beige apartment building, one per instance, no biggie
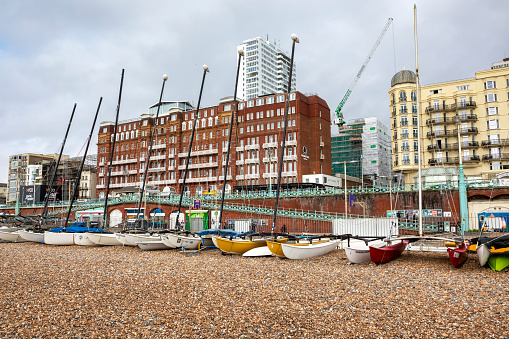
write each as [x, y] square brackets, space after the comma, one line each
[465, 120]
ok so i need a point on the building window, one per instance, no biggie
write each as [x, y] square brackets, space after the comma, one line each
[462, 88]
[495, 166]
[490, 84]
[416, 145]
[227, 107]
[402, 109]
[280, 98]
[416, 159]
[492, 124]
[491, 110]
[250, 103]
[491, 97]
[292, 96]
[259, 102]
[404, 133]
[404, 121]
[414, 108]
[402, 96]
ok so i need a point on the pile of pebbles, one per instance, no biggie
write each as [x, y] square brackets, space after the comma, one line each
[74, 291]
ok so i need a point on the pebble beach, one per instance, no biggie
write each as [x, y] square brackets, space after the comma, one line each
[89, 292]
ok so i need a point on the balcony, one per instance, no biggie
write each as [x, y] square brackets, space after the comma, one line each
[454, 160]
[292, 143]
[269, 175]
[467, 104]
[468, 117]
[239, 148]
[404, 123]
[405, 162]
[469, 130]
[229, 177]
[269, 159]
[132, 171]
[292, 157]
[156, 182]
[252, 176]
[158, 157]
[289, 174]
[405, 148]
[100, 186]
[440, 133]
[171, 181]
[101, 174]
[496, 156]
[404, 136]
[159, 146]
[171, 168]
[239, 177]
[466, 144]
[199, 165]
[270, 145]
[496, 142]
[252, 161]
[251, 147]
[157, 169]
[115, 173]
[437, 108]
[101, 163]
[440, 120]
[196, 153]
[171, 155]
[322, 144]
[239, 162]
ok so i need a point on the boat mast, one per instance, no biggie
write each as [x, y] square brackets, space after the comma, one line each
[418, 123]
[78, 178]
[152, 132]
[281, 157]
[205, 71]
[48, 195]
[105, 215]
[240, 51]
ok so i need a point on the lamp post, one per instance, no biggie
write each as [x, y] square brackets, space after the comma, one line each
[462, 185]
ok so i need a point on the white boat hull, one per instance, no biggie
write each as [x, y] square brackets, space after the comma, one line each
[178, 241]
[263, 251]
[483, 254]
[152, 245]
[358, 251]
[31, 236]
[135, 238]
[58, 238]
[11, 237]
[122, 239]
[83, 240]
[310, 251]
[104, 239]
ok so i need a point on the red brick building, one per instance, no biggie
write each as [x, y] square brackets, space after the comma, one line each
[256, 144]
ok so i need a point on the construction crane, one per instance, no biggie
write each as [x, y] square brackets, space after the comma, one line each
[339, 120]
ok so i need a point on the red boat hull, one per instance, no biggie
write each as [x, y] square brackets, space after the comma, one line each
[380, 255]
[458, 255]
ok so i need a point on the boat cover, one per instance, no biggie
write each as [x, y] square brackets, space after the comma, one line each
[77, 229]
[499, 242]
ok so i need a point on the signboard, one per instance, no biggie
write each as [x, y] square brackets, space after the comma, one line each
[197, 204]
[27, 194]
[411, 213]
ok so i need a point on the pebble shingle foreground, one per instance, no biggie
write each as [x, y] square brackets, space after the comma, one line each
[73, 291]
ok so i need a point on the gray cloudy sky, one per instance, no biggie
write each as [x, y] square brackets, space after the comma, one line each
[55, 53]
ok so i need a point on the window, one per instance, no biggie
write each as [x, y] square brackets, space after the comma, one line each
[183, 126]
[259, 102]
[227, 107]
[292, 96]
[250, 103]
[436, 104]
[435, 91]
[280, 98]
[495, 166]
[270, 100]
[404, 121]
[105, 130]
[492, 124]
[402, 108]
[402, 96]
[490, 84]
[404, 133]
[145, 123]
[414, 121]
[241, 105]
[491, 110]
[406, 159]
[491, 97]
[416, 159]
[414, 108]
[416, 145]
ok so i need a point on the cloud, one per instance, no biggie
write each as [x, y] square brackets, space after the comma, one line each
[56, 53]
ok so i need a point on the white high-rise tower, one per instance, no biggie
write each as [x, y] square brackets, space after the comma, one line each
[265, 69]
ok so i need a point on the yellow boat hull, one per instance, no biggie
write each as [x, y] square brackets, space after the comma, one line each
[238, 246]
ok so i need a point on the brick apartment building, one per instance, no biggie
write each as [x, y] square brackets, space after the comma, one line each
[255, 150]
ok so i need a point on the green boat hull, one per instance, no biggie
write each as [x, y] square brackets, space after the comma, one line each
[498, 262]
